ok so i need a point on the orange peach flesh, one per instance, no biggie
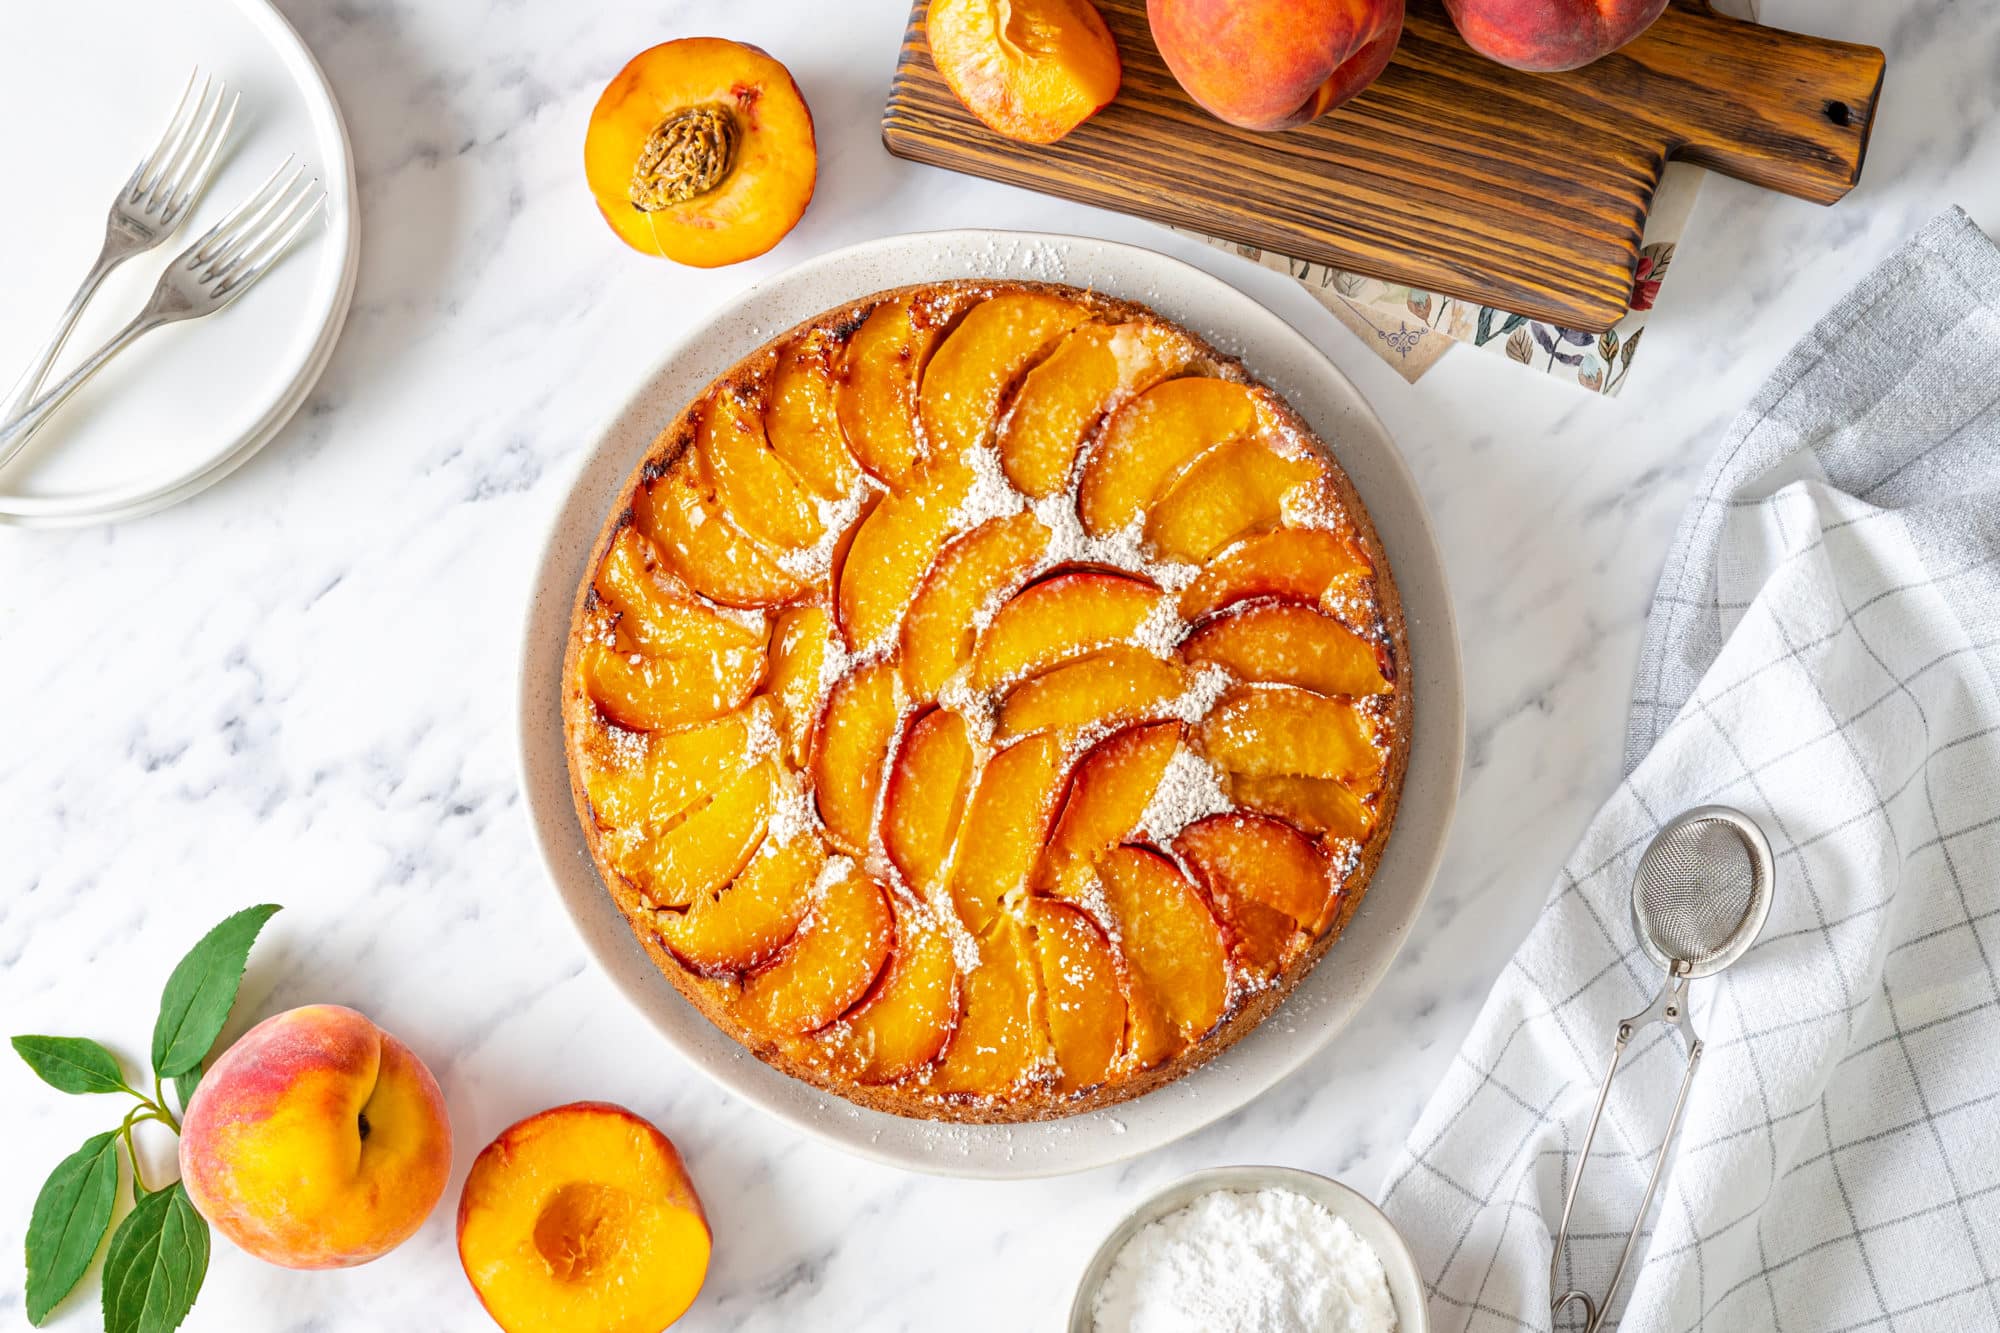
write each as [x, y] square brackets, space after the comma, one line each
[1032, 70]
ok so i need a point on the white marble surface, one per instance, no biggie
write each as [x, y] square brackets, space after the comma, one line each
[299, 687]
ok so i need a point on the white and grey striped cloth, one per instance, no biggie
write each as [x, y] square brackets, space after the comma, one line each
[1824, 654]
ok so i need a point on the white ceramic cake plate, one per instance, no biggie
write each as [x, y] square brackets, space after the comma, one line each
[1323, 1003]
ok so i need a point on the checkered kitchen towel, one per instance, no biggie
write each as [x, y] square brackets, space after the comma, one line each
[1824, 654]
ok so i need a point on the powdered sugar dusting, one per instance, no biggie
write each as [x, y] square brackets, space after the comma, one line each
[761, 738]
[1205, 689]
[1188, 790]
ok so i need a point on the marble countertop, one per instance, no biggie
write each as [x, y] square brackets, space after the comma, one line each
[299, 687]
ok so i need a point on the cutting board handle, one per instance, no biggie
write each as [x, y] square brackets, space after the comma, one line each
[1788, 112]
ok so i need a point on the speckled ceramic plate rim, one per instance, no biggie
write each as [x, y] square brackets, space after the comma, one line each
[1323, 1003]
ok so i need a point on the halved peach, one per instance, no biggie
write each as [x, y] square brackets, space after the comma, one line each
[1290, 645]
[701, 150]
[893, 548]
[744, 923]
[655, 611]
[638, 779]
[828, 965]
[1104, 688]
[877, 398]
[943, 620]
[1258, 859]
[908, 1017]
[682, 516]
[1109, 791]
[1081, 993]
[1091, 370]
[1279, 731]
[980, 359]
[802, 420]
[582, 1218]
[1003, 829]
[710, 847]
[1147, 442]
[1232, 491]
[1299, 564]
[1061, 617]
[1032, 70]
[800, 640]
[644, 693]
[1172, 940]
[764, 497]
[852, 749]
[1314, 805]
[1000, 1039]
[925, 798]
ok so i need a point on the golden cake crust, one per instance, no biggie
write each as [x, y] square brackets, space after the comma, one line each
[585, 725]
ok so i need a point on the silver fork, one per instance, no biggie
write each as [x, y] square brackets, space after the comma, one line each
[208, 275]
[149, 208]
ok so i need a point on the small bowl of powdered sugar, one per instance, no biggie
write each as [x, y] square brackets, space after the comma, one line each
[1252, 1249]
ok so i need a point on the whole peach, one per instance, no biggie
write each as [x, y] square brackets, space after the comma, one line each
[1273, 64]
[316, 1141]
[1550, 35]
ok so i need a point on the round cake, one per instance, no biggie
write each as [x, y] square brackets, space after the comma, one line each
[986, 701]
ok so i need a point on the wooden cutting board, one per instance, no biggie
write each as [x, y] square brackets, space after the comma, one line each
[1528, 192]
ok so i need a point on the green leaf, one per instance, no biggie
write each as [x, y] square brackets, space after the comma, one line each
[184, 1086]
[201, 990]
[71, 1215]
[158, 1258]
[72, 1064]
[1631, 346]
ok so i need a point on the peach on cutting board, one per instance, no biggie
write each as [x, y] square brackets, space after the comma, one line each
[701, 150]
[1032, 70]
[316, 1141]
[1273, 64]
[582, 1219]
[1550, 35]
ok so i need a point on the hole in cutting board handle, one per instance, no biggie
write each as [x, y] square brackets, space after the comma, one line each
[1840, 114]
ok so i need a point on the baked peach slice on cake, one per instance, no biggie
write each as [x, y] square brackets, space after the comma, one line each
[800, 641]
[1309, 565]
[1090, 372]
[942, 625]
[1060, 617]
[710, 845]
[926, 794]
[1081, 994]
[1279, 731]
[1266, 877]
[1031, 70]
[827, 966]
[1152, 439]
[640, 781]
[1001, 1038]
[959, 399]
[582, 1219]
[703, 544]
[1172, 940]
[851, 751]
[701, 150]
[1288, 644]
[754, 485]
[1314, 805]
[737, 926]
[907, 1018]
[1232, 491]
[1109, 790]
[877, 396]
[893, 549]
[656, 613]
[644, 693]
[1002, 833]
[1101, 689]
[802, 420]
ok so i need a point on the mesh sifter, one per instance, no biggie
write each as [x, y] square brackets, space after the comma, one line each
[1698, 901]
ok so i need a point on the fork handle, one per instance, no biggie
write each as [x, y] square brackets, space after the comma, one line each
[30, 383]
[18, 431]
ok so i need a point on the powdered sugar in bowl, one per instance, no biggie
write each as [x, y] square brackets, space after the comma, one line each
[1252, 1249]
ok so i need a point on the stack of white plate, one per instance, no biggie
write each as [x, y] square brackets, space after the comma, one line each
[91, 86]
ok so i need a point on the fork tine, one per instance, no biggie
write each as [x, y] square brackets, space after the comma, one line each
[171, 140]
[185, 149]
[252, 237]
[273, 248]
[195, 179]
[166, 136]
[212, 241]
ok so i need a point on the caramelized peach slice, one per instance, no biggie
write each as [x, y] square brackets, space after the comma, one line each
[1001, 1038]
[1256, 859]
[926, 795]
[997, 340]
[582, 1217]
[1058, 618]
[1283, 732]
[828, 965]
[1091, 371]
[710, 846]
[1150, 440]
[862, 714]
[1108, 794]
[636, 779]
[659, 616]
[893, 548]
[908, 1017]
[799, 643]
[1172, 940]
[1117, 684]
[943, 621]
[802, 420]
[877, 401]
[751, 481]
[1032, 70]
[1316, 805]
[1298, 564]
[1290, 645]
[643, 693]
[1081, 992]
[712, 555]
[1232, 491]
[701, 150]
[1150, 1035]
[740, 926]
[1004, 827]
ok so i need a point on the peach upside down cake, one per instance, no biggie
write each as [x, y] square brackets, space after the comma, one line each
[986, 701]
